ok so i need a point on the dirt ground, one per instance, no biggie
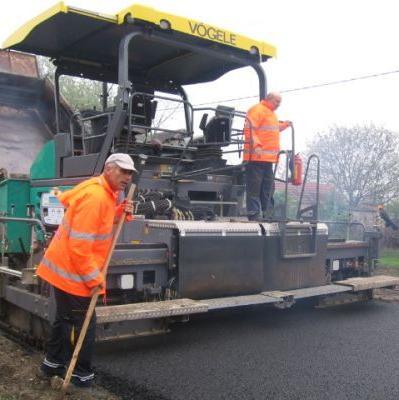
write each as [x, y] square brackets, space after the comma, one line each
[18, 379]
[18, 365]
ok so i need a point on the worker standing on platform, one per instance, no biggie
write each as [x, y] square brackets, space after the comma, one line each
[262, 145]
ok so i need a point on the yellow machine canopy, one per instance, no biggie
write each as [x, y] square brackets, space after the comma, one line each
[80, 40]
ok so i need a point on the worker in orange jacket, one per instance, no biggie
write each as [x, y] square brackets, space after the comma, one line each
[262, 145]
[73, 263]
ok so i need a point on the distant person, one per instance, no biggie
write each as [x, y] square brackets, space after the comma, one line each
[262, 145]
[73, 263]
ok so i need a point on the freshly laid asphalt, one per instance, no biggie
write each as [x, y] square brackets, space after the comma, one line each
[347, 352]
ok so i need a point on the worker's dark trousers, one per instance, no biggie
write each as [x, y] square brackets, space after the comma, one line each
[259, 187]
[70, 314]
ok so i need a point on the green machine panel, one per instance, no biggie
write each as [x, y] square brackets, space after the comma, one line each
[44, 165]
[14, 197]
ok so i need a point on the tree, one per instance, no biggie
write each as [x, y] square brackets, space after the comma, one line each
[80, 93]
[361, 161]
[332, 208]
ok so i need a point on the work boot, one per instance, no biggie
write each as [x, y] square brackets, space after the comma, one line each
[41, 375]
[49, 369]
[254, 216]
[268, 214]
[45, 374]
[82, 381]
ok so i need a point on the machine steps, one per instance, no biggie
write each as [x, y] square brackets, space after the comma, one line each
[179, 307]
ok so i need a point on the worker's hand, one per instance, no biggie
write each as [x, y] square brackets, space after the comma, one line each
[96, 289]
[289, 123]
[55, 191]
[128, 206]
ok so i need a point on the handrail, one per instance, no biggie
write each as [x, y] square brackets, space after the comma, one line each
[231, 114]
[289, 154]
[27, 220]
[348, 225]
[154, 96]
[316, 205]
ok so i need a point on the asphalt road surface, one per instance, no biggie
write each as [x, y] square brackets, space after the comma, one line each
[347, 352]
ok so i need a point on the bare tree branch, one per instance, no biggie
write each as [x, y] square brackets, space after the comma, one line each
[361, 161]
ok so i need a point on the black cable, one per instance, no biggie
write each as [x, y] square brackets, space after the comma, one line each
[317, 85]
[357, 78]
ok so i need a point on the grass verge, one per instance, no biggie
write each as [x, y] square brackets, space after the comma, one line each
[390, 258]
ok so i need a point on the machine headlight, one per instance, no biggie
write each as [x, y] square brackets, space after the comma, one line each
[126, 281]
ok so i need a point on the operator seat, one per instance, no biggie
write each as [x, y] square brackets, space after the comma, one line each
[218, 128]
[142, 113]
[94, 130]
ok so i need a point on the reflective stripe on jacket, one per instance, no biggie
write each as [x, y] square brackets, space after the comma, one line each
[77, 252]
[262, 130]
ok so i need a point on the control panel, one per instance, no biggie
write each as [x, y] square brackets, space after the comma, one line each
[51, 210]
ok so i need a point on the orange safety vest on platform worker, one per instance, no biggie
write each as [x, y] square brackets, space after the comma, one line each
[77, 252]
[262, 129]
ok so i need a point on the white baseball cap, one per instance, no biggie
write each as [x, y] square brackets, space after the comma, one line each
[122, 160]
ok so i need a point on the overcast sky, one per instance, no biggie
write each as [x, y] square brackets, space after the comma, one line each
[317, 42]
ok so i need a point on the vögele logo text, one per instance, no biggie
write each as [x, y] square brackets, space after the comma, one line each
[212, 33]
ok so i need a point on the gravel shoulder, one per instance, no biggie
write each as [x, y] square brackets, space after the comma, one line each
[18, 380]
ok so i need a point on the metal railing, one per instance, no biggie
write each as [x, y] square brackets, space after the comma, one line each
[4, 220]
[314, 208]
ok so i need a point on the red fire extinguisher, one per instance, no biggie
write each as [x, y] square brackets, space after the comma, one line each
[297, 171]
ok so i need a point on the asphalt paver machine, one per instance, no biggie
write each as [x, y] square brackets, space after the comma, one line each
[191, 247]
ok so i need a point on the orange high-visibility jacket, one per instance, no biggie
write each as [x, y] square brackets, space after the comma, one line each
[77, 252]
[262, 129]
